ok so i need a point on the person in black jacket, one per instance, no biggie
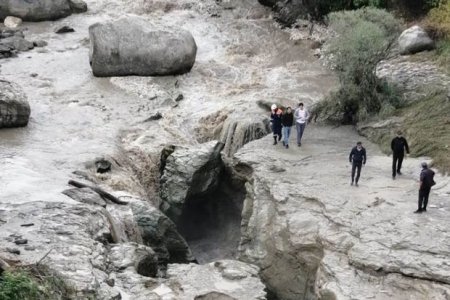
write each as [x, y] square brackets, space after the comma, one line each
[358, 158]
[287, 120]
[275, 121]
[426, 182]
[398, 146]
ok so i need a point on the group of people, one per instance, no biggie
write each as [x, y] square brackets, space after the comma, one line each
[399, 146]
[282, 124]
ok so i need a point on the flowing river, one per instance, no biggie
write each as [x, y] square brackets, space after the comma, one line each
[243, 56]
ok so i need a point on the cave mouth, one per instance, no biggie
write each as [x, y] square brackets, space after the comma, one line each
[211, 223]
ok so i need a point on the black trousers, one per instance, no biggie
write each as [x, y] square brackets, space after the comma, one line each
[397, 159]
[356, 166]
[423, 198]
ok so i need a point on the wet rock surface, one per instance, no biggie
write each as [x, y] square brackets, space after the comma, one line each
[39, 10]
[73, 242]
[342, 242]
[414, 76]
[134, 46]
[12, 41]
[189, 173]
[14, 106]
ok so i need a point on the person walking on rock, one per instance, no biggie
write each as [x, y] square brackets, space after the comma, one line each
[301, 119]
[426, 182]
[357, 158]
[398, 146]
[275, 120]
[287, 121]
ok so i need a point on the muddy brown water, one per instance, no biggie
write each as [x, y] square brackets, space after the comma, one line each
[243, 57]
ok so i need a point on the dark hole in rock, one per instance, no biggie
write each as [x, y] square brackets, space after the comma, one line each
[211, 223]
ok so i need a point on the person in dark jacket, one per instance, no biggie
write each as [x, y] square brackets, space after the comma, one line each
[426, 182]
[287, 120]
[357, 158]
[275, 121]
[398, 146]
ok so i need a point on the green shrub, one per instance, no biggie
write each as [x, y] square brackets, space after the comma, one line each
[32, 282]
[363, 38]
[18, 285]
[443, 54]
[438, 20]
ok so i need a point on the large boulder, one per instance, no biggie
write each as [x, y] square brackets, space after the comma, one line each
[14, 107]
[160, 233]
[134, 46]
[287, 12]
[12, 22]
[141, 259]
[36, 10]
[189, 172]
[413, 40]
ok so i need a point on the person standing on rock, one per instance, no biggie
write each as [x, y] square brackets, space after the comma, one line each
[398, 147]
[275, 121]
[301, 119]
[426, 182]
[357, 158]
[287, 121]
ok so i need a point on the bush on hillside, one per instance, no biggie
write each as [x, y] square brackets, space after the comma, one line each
[18, 285]
[438, 20]
[320, 8]
[363, 38]
[32, 282]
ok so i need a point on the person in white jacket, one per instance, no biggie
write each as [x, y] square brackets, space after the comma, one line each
[301, 119]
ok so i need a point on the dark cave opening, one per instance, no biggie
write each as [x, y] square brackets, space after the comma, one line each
[211, 223]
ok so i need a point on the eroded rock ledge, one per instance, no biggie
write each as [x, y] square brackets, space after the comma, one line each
[331, 241]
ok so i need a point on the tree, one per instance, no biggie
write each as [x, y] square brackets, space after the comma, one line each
[363, 38]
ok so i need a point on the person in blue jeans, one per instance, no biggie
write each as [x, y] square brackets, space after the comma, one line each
[301, 119]
[287, 120]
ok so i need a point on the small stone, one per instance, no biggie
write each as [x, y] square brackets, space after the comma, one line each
[154, 117]
[65, 29]
[78, 6]
[103, 165]
[179, 98]
[40, 43]
[12, 22]
[30, 248]
[13, 250]
[110, 282]
[21, 241]
[33, 74]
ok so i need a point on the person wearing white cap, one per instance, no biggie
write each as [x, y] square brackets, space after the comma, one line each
[275, 121]
[426, 182]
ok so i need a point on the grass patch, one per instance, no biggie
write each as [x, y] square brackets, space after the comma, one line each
[426, 124]
[443, 54]
[32, 283]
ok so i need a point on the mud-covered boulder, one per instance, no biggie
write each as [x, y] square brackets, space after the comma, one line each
[12, 22]
[160, 233]
[189, 172]
[35, 10]
[141, 259]
[14, 107]
[134, 46]
[78, 6]
[413, 40]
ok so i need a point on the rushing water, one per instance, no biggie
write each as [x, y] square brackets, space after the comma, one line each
[243, 57]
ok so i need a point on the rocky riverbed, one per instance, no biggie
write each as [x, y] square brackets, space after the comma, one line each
[191, 147]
